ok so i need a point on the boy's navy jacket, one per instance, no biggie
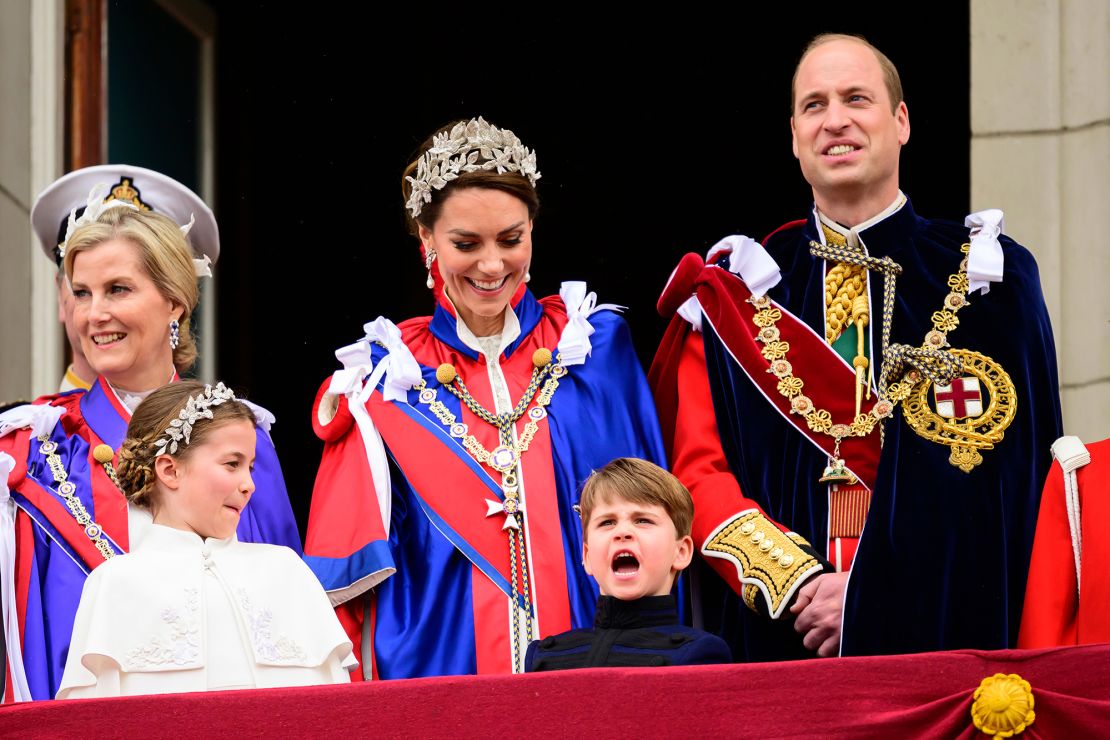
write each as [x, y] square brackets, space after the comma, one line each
[642, 632]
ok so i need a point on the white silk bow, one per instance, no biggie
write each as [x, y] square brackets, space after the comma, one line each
[41, 418]
[400, 371]
[985, 260]
[399, 367]
[748, 259]
[574, 344]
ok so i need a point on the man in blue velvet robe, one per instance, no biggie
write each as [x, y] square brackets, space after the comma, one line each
[865, 460]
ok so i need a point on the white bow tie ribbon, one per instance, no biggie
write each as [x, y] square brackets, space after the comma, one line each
[399, 367]
[574, 344]
[748, 259]
[41, 418]
[691, 310]
[985, 260]
[357, 364]
[400, 371]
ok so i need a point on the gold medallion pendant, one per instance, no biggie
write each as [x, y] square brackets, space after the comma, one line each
[968, 415]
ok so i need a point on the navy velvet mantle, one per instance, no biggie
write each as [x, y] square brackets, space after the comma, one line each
[943, 559]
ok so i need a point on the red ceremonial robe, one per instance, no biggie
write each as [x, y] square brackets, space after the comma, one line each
[1056, 611]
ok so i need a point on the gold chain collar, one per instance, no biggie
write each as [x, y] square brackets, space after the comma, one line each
[504, 459]
[775, 351]
[68, 491]
[507, 454]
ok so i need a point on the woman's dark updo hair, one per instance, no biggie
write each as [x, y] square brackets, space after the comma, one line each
[135, 471]
[513, 183]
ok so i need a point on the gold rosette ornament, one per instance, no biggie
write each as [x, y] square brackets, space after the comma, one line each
[1003, 705]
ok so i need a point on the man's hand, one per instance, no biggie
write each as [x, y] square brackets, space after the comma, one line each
[818, 608]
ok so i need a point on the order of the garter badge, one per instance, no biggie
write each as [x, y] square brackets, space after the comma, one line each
[969, 414]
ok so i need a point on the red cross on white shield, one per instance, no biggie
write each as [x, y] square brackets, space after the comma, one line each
[960, 400]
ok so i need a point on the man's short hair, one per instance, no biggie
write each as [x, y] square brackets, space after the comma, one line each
[890, 72]
[641, 482]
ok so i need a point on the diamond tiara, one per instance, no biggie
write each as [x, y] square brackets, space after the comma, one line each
[468, 147]
[196, 408]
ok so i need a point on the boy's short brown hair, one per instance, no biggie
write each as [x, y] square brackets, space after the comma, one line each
[641, 482]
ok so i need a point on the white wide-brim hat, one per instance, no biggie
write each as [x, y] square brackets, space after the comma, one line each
[162, 194]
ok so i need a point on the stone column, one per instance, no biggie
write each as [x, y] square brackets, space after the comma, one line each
[31, 132]
[1040, 151]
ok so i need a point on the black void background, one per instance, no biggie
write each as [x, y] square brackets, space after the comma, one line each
[655, 136]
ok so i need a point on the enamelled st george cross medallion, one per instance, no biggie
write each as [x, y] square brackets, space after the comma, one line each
[969, 414]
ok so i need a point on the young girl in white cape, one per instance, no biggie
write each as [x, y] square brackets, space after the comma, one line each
[192, 608]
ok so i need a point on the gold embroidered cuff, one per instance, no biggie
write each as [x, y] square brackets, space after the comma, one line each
[751, 594]
[769, 562]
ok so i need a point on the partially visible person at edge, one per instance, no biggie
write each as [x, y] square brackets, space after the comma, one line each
[864, 364]
[636, 526]
[79, 374]
[134, 281]
[456, 443]
[1067, 598]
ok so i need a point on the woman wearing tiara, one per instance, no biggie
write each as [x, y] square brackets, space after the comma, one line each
[192, 608]
[456, 444]
[134, 281]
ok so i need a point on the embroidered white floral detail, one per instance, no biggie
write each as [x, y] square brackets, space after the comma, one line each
[180, 647]
[274, 650]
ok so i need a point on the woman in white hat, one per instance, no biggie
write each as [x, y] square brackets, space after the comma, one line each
[455, 466]
[128, 260]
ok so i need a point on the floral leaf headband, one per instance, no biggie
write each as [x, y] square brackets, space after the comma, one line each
[468, 147]
[98, 203]
[196, 408]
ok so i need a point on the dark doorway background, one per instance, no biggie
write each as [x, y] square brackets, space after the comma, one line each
[655, 136]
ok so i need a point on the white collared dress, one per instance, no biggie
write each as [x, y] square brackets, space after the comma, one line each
[182, 613]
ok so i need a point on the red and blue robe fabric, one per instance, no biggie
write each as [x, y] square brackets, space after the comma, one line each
[942, 559]
[53, 553]
[445, 611]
